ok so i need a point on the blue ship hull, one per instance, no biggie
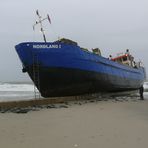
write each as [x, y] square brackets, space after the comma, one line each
[62, 69]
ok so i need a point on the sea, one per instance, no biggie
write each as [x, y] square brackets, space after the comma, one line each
[13, 91]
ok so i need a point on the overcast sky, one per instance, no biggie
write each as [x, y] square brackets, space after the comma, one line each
[111, 25]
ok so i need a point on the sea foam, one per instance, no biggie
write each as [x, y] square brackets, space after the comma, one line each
[16, 87]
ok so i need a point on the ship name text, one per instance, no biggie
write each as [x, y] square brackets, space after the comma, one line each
[47, 46]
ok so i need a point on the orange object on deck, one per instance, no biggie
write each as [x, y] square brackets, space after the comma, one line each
[119, 57]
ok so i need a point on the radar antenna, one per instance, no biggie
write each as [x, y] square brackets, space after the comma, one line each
[40, 20]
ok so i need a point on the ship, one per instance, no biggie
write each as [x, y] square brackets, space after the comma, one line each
[63, 68]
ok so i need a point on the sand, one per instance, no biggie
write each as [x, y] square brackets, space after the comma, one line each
[104, 124]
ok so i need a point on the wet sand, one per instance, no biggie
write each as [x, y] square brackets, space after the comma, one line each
[122, 124]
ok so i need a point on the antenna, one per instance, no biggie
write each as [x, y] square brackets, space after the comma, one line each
[40, 20]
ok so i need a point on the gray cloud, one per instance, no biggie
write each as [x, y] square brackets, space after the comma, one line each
[112, 25]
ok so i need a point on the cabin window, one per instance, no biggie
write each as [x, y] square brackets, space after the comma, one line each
[124, 58]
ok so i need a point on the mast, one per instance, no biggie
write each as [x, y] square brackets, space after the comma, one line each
[40, 20]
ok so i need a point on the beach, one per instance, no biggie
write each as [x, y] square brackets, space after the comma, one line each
[106, 123]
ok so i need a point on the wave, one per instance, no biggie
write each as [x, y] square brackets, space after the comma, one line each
[145, 86]
[16, 87]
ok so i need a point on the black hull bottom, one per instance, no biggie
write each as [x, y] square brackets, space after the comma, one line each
[58, 82]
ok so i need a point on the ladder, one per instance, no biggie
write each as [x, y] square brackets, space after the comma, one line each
[36, 76]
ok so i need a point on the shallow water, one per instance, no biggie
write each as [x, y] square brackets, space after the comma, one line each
[16, 91]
